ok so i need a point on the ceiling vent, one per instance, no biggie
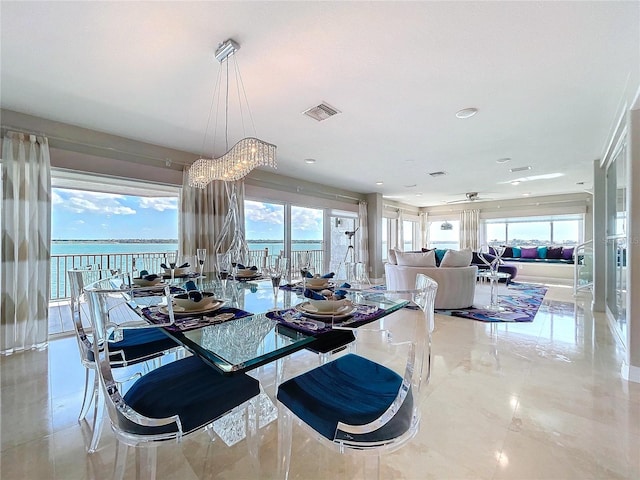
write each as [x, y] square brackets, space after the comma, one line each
[321, 112]
[437, 174]
[519, 169]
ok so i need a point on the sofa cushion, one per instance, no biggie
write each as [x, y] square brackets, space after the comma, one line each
[427, 259]
[529, 252]
[554, 253]
[391, 257]
[508, 252]
[457, 258]
[542, 252]
[567, 253]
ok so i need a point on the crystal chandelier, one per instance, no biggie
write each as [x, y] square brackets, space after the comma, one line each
[246, 154]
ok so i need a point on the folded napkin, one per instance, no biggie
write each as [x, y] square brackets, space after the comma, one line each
[340, 294]
[308, 274]
[313, 295]
[145, 276]
[242, 267]
[345, 285]
[162, 265]
[184, 265]
[328, 275]
[190, 285]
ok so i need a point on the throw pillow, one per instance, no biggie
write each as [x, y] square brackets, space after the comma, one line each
[554, 253]
[391, 256]
[457, 258]
[440, 255]
[508, 252]
[529, 252]
[517, 252]
[567, 253]
[542, 252]
[427, 259]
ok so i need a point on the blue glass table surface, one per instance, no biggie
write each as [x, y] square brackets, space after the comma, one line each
[247, 343]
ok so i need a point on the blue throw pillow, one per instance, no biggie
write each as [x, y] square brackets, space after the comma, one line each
[542, 252]
[440, 255]
[517, 253]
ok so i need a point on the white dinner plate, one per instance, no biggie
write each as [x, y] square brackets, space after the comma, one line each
[312, 312]
[326, 286]
[181, 312]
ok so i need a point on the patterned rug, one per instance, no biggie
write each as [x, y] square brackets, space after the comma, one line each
[520, 301]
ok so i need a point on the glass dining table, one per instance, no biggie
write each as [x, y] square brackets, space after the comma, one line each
[263, 328]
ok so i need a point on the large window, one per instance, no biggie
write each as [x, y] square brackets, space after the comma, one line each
[444, 234]
[556, 230]
[266, 226]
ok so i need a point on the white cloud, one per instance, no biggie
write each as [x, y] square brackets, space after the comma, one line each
[91, 202]
[159, 203]
[306, 219]
[260, 212]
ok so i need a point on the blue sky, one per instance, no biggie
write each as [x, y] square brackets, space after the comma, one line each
[82, 215]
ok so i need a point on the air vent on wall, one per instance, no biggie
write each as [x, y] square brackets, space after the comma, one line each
[321, 112]
[437, 174]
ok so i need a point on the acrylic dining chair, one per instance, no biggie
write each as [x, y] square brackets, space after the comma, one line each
[169, 402]
[366, 403]
[136, 346]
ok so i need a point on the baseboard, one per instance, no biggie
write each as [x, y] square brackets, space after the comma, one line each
[544, 280]
[630, 373]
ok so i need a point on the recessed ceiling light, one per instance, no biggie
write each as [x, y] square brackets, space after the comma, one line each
[437, 174]
[526, 194]
[503, 160]
[515, 182]
[411, 186]
[466, 112]
[519, 169]
[309, 160]
[379, 183]
[579, 183]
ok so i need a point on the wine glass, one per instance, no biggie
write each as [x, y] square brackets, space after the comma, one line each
[276, 269]
[201, 255]
[171, 257]
[304, 263]
[223, 261]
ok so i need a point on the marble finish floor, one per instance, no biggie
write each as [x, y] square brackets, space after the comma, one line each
[540, 400]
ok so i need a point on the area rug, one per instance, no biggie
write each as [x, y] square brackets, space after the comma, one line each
[520, 301]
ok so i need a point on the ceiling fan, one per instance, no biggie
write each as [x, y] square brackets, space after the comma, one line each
[469, 197]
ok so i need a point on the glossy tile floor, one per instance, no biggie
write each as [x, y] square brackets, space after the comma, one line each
[540, 400]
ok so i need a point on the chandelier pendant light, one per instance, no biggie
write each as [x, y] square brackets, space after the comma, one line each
[248, 153]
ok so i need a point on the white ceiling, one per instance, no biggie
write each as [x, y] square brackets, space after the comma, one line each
[548, 78]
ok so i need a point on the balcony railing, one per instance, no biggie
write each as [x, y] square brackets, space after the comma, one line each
[123, 262]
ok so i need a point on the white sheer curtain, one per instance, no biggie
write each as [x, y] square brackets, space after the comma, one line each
[400, 231]
[469, 224]
[363, 241]
[202, 215]
[26, 241]
[424, 229]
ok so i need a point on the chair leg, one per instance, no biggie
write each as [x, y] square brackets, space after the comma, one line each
[251, 426]
[98, 417]
[285, 431]
[89, 394]
[121, 460]
[146, 462]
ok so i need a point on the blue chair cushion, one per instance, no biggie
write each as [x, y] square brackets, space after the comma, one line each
[140, 345]
[352, 390]
[191, 389]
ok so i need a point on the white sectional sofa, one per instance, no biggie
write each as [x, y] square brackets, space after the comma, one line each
[456, 285]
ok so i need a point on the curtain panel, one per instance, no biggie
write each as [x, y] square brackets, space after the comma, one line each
[363, 241]
[202, 217]
[25, 270]
[469, 229]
